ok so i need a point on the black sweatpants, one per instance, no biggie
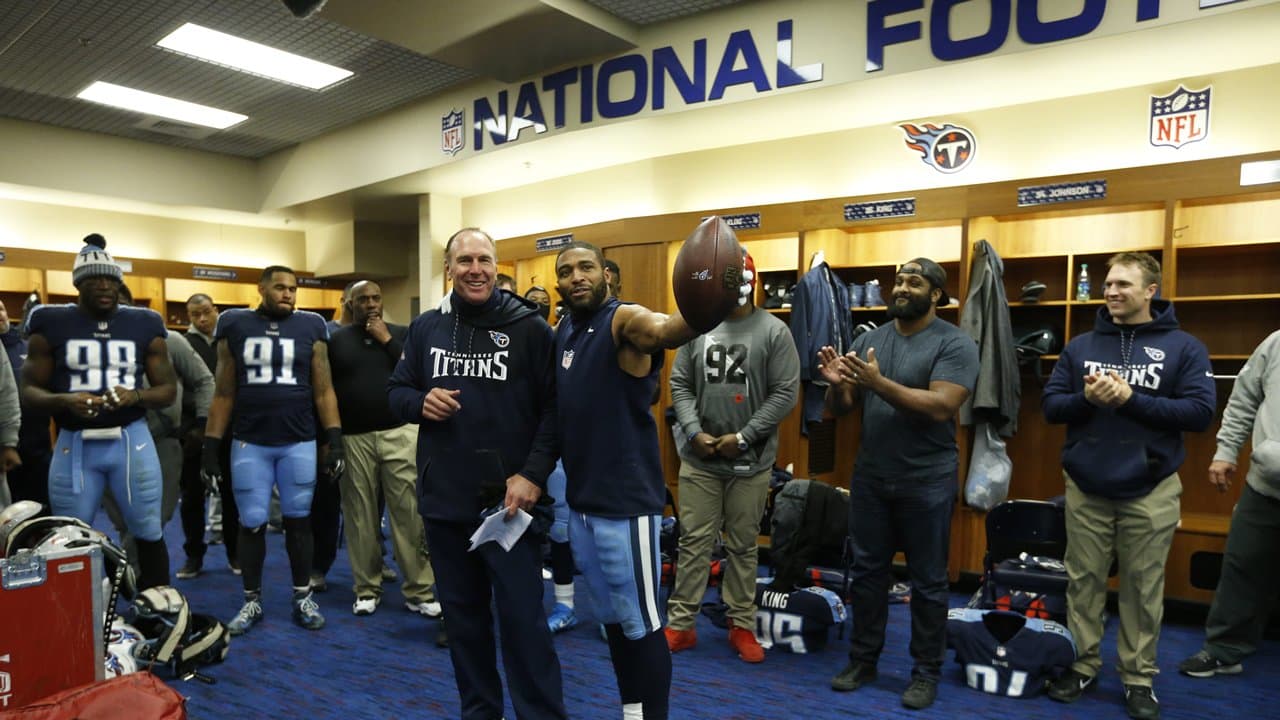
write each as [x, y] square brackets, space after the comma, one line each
[465, 583]
[192, 506]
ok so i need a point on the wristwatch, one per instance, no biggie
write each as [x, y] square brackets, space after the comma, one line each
[742, 443]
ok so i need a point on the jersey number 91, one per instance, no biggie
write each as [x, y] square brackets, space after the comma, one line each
[259, 365]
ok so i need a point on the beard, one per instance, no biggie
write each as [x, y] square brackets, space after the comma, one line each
[276, 311]
[915, 307]
[599, 292]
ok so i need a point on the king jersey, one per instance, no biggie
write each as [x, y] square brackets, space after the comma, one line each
[799, 620]
[93, 356]
[274, 401]
[1004, 653]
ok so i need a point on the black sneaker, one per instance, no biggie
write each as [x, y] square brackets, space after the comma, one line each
[853, 676]
[920, 694]
[442, 638]
[1070, 686]
[1200, 665]
[1141, 702]
[191, 568]
[306, 613]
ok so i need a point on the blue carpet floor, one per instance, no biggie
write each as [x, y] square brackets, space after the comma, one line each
[386, 666]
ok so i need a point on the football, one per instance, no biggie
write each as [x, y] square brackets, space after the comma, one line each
[707, 274]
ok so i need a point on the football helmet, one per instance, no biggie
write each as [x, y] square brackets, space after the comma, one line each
[121, 641]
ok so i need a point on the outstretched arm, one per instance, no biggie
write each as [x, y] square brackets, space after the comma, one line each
[647, 332]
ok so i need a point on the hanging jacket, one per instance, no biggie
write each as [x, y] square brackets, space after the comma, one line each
[820, 315]
[985, 318]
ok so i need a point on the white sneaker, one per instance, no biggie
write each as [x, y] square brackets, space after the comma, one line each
[546, 573]
[430, 608]
[365, 605]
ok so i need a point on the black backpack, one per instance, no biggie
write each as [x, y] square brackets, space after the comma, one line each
[810, 523]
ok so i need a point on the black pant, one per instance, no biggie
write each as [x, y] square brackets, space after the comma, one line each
[465, 583]
[913, 514]
[192, 508]
[326, 509]
[30, 480]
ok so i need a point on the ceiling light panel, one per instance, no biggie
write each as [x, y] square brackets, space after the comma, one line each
[251, 57]
[147, 103]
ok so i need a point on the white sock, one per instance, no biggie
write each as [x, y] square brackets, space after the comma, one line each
[633, 711]
[564, 595]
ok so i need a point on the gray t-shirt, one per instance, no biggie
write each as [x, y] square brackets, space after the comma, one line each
[742, 377]
[895, 444]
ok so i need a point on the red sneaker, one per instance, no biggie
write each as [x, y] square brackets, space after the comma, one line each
[744, 641]
[678, 640]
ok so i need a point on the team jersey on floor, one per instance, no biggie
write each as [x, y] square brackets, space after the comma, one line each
[93, 356]
[799, 620]
[1004, 653]
[274, 402]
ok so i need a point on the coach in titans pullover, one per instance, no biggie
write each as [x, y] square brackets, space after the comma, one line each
[499, 355]
[1124, 452]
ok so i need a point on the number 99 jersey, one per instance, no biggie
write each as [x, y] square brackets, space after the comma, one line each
[93, 356]
[274, 402]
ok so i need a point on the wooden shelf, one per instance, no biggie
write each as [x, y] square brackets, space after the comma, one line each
[1227, 298]
[1205, 523]
[1047, 303]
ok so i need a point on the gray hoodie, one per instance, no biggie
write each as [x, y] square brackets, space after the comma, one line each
[10, 415]
[1255, 405]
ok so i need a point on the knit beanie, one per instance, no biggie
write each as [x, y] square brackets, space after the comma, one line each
[93, 261]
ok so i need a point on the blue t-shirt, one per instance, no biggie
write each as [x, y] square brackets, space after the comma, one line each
[896, 444]
[93, 356]
[609, 441]
[1004, 653]
[274, 398]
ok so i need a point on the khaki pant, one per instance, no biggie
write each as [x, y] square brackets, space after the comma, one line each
[1138, 533]
[385, 459]
[706, 503]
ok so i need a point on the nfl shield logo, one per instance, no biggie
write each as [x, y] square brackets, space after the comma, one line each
[451, 138]
[567, 359]
[1180, 117]
[102, 326]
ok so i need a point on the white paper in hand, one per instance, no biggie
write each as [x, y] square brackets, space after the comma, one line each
[498, 529]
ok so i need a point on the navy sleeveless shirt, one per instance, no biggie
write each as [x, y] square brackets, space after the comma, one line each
[608, 438]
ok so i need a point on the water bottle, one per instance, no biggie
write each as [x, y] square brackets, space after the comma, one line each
[1082, 285]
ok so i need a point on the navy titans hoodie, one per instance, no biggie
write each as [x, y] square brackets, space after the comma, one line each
[499, 355]
[1124, 452]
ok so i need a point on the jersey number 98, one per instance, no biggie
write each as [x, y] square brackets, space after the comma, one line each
[91, 372]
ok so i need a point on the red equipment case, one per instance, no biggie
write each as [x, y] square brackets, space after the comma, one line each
[51, 610]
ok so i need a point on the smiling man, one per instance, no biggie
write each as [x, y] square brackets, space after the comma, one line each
[476, 378]
[84, 367]
[1126, 391]
[909, 378]
[609, 356]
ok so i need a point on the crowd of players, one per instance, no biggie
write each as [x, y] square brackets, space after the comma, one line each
[497, 405]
